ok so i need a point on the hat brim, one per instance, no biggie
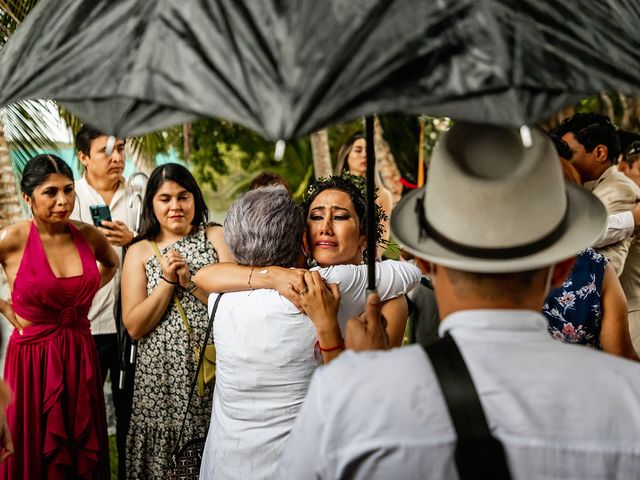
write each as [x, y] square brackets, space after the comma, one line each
[586, 220]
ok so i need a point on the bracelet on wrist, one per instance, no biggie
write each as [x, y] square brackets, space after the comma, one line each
[250, 275]
[169, 281]
[340, 346]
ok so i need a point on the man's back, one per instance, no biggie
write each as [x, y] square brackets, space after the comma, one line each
[554, 406]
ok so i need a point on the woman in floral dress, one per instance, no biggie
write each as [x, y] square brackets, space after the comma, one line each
[590, 307]
[174, 218]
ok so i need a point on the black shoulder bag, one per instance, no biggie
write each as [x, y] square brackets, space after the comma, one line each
[478, 454]
[186, 460]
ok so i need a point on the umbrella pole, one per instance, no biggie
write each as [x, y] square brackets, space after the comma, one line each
[371, 210]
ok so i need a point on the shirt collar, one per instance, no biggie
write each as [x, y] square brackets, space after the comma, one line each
[493, 320]
[120, 191]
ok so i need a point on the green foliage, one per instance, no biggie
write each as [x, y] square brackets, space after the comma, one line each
[227, 157]
[595, 104]
[24, 124]
[27, 131]
[402, 133]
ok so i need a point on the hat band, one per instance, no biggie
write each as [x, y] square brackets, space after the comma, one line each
[508, 253]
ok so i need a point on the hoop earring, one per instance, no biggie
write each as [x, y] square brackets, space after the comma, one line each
[311, 262]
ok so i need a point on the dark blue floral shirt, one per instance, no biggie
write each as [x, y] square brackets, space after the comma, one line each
[573, 310]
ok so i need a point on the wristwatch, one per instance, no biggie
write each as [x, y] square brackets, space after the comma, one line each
[191, 286]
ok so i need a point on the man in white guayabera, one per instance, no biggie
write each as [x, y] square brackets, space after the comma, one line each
[496, 226]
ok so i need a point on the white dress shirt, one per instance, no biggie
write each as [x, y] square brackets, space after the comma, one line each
[619, 226]
[265, 360]
[102, 313]
[561, 410]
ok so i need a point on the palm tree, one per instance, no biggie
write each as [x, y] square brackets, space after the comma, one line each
[24, 130]
[21, 122]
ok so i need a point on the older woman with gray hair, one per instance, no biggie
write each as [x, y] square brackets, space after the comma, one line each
[265, 345]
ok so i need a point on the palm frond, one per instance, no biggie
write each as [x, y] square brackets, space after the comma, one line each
[12, 13]
[145, 148]
[28, 130]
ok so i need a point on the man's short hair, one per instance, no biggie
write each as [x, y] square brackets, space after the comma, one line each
[562, 147]
[514, 286]
[85, 136]
[591, 130]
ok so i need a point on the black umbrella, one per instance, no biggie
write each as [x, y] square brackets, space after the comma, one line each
[287, 67]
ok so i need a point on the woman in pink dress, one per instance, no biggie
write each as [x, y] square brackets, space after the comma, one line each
[57, 416]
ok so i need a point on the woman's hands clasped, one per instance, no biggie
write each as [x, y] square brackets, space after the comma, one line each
[175, 268]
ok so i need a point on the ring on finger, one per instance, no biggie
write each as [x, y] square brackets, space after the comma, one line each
[304, 290]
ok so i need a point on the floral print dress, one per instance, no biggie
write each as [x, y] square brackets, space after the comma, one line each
[165, 368]
[573, 311]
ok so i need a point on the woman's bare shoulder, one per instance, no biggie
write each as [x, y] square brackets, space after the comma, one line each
[140, 251]
[84, 228]
[14, 236]
[214, 231]
[90, 233]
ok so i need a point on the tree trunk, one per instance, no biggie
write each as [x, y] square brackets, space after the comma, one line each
[385, 162]
[186, 142]
[630, 109]
[607, 106]
[10, 208]
[321, 155]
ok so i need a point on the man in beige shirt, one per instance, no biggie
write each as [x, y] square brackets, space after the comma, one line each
[103, 159]
[594, 146]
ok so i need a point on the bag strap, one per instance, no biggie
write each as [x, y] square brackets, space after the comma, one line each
[176, 300]
[195, 379]
[478, 453]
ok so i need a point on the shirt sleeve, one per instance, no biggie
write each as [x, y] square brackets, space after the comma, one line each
[619, 226]
[304, 449]
[393, 279]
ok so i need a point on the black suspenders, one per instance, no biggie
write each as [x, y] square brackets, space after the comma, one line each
[478, 454]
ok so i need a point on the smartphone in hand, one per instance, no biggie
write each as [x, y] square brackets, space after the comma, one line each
[100, 213]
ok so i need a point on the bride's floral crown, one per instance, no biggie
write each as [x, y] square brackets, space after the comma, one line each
[356, 188]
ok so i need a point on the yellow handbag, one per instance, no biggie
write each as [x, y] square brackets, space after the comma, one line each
[207, 371]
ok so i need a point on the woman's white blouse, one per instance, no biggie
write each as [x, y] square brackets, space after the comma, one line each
[265, 360]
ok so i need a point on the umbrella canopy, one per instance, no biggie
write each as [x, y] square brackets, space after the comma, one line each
[288, 67]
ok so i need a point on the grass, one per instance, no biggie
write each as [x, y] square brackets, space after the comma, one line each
[113, 457]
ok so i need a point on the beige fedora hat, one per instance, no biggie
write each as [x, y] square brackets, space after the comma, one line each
[495, 203]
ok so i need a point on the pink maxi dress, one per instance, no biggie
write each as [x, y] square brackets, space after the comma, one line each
[57, 416]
